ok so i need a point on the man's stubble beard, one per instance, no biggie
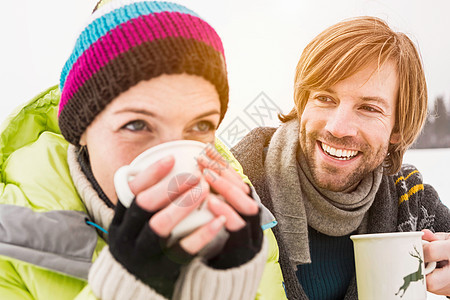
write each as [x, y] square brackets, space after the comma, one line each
[340, 182]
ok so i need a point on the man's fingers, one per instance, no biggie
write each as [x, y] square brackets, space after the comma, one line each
[437, 250]
[151, 175]
[219, 207]
[437, 281]
[442, 235]
[428, 235]
[197, 240]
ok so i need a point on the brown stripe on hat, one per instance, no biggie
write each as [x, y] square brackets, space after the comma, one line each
[146, 61]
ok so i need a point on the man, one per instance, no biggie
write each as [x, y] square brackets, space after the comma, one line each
[333, 168]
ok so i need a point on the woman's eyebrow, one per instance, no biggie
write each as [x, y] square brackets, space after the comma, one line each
[154, 115]
[208, 113]
[137, 111]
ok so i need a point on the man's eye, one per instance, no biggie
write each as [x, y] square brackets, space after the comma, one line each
[370, 109]
[204, 126]
[324, 99]
[137, 125]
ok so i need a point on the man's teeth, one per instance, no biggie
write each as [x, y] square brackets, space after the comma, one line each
[340, 154]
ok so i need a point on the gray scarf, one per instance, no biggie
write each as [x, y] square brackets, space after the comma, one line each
[297, 202]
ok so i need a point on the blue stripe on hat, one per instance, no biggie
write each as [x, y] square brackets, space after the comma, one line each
[100, 26]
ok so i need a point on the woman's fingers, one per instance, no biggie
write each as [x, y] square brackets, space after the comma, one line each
[166, 219]
[202, 236]
[152, 174]
[214, 161]
[218, 207]
[212, 153]
[165, 192]
[234, 195]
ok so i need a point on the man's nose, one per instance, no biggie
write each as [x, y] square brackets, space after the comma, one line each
[341, 122]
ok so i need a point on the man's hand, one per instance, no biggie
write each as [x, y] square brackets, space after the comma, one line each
[438, 281]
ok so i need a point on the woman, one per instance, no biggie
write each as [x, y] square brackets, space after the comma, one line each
[141, 73]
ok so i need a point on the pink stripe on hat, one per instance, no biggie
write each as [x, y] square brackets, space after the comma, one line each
[132, 33]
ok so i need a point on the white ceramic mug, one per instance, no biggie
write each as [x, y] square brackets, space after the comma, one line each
[390, 265]
[185, 153]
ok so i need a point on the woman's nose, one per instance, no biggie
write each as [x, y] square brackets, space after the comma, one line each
[171, 136]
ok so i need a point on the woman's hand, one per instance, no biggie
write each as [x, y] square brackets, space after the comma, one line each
[153, 197]
[227, 182]
[138, 234]
[438, 250]
[240, 210]
[173, 207]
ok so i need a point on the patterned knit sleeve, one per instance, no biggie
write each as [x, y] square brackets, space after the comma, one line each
[435, 211]
[419, 204]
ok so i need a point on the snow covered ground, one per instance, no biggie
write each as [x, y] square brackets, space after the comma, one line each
[434, 165]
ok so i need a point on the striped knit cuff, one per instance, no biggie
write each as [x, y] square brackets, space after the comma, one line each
[198, 281]
[110, 280]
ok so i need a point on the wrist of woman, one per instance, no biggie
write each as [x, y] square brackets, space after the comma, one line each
[241, 246]
[108, 279]
[142, 252]
[199, 281]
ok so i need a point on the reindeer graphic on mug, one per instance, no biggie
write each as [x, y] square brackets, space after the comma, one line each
[416, 276]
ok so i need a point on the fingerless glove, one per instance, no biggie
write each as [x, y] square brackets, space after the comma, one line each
[242, 245]
[142, 252]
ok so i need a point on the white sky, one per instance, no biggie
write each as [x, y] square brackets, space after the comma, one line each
[262, 39]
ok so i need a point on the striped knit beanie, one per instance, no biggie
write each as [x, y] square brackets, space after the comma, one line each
[127, 41]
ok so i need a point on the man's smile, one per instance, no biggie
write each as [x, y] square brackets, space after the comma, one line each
[338, 153]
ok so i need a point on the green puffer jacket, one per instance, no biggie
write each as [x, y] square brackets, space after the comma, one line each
[43, 219]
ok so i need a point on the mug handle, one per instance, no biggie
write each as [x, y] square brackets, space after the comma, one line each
[430, 265]
[123, 191]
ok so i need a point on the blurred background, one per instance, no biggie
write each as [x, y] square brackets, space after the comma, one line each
[263, 41]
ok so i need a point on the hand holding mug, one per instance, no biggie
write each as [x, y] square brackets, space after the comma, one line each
[240, 209]
[438, 250]
[139, 230]
[391, 265]
[183, 176]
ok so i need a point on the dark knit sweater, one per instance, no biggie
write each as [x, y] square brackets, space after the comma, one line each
[402, 203]
[331, 269]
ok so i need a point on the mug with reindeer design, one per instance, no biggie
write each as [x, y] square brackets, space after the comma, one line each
[390, 265]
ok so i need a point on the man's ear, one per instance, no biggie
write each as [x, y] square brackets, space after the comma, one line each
[83, 139]
[395, 138]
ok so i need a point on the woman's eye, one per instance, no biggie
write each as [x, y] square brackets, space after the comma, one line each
[137, 125]
[204, 126]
